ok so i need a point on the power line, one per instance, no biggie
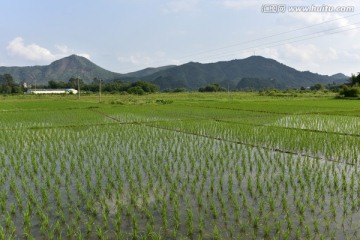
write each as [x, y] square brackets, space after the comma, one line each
[285, 41]
[282, 44]
[269, 36]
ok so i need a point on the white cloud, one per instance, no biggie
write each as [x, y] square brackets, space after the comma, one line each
[324, 20]
[246, 4]
[309, 56]
[85, 55]
[269, 52]
[35, 53]
[65, 51]
[137, 61]
[32, 51]
[303, 53]
[239, 4]
[352, 54]
[176, 6]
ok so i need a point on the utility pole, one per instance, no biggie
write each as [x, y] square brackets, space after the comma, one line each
[99, 90]
[78, 82]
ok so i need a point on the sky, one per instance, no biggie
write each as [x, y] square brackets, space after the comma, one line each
[128, 35]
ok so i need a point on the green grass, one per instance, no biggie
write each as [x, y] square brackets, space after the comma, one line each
[187, 165]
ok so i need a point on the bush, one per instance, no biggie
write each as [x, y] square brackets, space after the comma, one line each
[214, 87]
[162, 101]
[136, 90]
[350, 91]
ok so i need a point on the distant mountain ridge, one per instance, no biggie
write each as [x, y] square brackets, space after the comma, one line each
[147, 71]
[60, 70]
[254, 72]
[230, 73]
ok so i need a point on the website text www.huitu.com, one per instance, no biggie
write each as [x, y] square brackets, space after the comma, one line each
[282, 8]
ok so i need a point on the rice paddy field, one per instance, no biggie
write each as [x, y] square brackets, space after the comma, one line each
[179, 166]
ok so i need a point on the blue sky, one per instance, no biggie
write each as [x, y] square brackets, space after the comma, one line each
[129, 35]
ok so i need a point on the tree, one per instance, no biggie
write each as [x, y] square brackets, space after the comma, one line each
[355, 79]
[136, 90]
[317, 87]
[8, 85]
[73, 82]
[56, 85]
[146, 86]
[214, 87]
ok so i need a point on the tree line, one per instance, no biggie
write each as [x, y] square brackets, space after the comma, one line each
[9, 86]
[116, 86]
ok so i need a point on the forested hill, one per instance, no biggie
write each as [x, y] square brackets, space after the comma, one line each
[60, 70]
[254, 72]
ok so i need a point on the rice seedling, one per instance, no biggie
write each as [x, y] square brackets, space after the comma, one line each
[165, 172]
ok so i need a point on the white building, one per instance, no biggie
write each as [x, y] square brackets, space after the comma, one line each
[52, 91]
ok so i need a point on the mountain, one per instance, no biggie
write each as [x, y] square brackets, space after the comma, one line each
[254, 72]
[60, 70]
[147, 71]
[268, 73]
[339, 77]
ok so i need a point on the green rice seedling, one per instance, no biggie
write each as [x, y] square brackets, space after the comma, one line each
[255, 222]
[79, 236]
[105, 220]
[149, 229]
[27, 233]
[289, 223]
[27, 218]
[244, 201]
[261, 207]
[284, 203]
[307, 232]
[134, 227]
[221, 199]
[13, 209]
[301, 210]
[44, 228]
[277, 227]
[199, 201]
[164, 215]
[216, 233]
[89, 226]
[316, 225]
[189, 221]
[213, 209]
[250, 186]
[57, 228]
[298, 234]
[250, 212]
[8, 221]
[201, 225]
[174, 233]
[100, 233]
[301, 220]
[69, 231]
[272, 204]
[267, 230]
[333, 212]
[237, 215]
